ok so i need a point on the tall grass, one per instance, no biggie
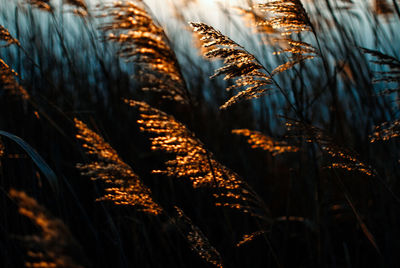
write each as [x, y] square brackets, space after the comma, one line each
[271, 140]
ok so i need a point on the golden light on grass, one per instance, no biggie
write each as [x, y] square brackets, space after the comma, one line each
[390, 76]
[78, 4]
[382, 7]
[197, 240]
[6, 37]
[249, 237]
[55, 246]
[9, 83]
[256, 19]
[340, 158]
[41, 4]
[283, 17]
[386, 131]
[8, 75]
[300, 51]
[260, 141]
[239, 64]
[316, 181]
[288, 16]
[195, 162]
[144, 42]
[124, 187]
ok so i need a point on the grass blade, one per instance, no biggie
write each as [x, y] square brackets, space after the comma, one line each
[34, 155]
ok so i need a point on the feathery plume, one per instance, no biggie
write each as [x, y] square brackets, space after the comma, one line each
[340, 157]
[386, 131]
[9, 83]
[382, 8]
[55, 246]
[6, 37]
[256, 20]
[258, 140]
[124, 186]
[249, 237]
[239, 64]
[193, 161]
[300, 51]
[127, 189]
[41, 4]
[144, 42]
[77, 3]
[289, 16]
[197, 240]
[391, 76]
[80, 7]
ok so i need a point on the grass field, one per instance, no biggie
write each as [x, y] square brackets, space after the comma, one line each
[191, 134]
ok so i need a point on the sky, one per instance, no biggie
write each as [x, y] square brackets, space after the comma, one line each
[208, 7]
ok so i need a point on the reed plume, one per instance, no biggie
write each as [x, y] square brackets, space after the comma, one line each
[260, 141]
[41, 4]
[256, 20]
[197, 240]
[6, 37]
[300, 51]
[8, 75]
[382, 8]
[288, 18]
[55, 246]
[80, 7]
[386, 131]
[77, 3]
[9, 83]
[239, 64]
[249, 237]
[194, 161]
[340, 158]
[124, 186]
[390, 76]
[284, 18]
[144, 42]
